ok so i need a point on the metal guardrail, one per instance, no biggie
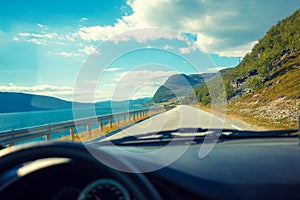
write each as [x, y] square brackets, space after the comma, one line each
[12, 136]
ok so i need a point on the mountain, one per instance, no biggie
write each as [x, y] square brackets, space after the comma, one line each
[177, 86]
[21, 102]
[266, 84]
[125, 103]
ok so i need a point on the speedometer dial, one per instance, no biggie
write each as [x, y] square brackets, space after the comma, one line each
[104, 189]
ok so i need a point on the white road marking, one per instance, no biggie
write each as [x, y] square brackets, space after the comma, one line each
[236, 127]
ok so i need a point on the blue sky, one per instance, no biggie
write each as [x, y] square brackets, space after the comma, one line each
[44, 45]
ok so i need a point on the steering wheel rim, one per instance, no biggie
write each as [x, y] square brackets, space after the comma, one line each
[137, 183]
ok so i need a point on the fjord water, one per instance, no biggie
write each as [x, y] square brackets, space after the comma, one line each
[18, 120]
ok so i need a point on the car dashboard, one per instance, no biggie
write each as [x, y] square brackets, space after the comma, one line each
[237, 169]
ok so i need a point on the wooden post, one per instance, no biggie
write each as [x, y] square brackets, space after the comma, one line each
[110, 122]
[72, 135]
[88, 128]
[101, 126]
[10, 144]
[48, 137]
[133, 116]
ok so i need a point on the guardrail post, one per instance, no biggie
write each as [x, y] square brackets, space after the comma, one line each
[101, 126]
[88, 127]
[124, 118]
[72, 135]
[48, 137]
[110, 122]
[118, 120]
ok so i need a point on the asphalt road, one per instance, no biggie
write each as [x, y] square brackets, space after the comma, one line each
[181, 116]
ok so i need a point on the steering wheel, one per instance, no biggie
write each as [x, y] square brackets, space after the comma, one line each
[136, 183]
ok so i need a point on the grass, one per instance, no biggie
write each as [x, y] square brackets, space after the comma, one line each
[281, 93]
[235, 114]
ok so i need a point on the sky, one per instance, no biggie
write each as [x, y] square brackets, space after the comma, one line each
[95, 50]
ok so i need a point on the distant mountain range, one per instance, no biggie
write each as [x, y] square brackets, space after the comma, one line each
[21, 102]
[178, 86]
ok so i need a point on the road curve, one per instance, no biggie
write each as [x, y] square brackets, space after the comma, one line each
[180, 117]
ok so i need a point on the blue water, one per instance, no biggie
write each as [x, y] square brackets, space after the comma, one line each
[9, 121]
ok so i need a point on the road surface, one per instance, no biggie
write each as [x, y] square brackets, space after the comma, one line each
[182, 116]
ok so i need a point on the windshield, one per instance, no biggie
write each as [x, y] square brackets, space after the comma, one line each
[87, 71]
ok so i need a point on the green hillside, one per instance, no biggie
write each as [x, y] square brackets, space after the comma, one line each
[275, 54]
[266, 84]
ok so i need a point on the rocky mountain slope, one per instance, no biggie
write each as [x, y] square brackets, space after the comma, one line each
[178, 86]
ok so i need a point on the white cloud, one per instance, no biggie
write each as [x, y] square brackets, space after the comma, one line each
[100, 33]
[124, 30]
[65, 54]
[84, 50]
[237, 51]
[141, 76]
[215, 69]
[68, 54]
[222, 27]
[113, 69]
[36, 41]
[168, 47]
[41, 38]
[228, 28]
[186, 50]
[83, 19]
[42, 26]
[225, 28]
[88, 50]
[39, 25]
